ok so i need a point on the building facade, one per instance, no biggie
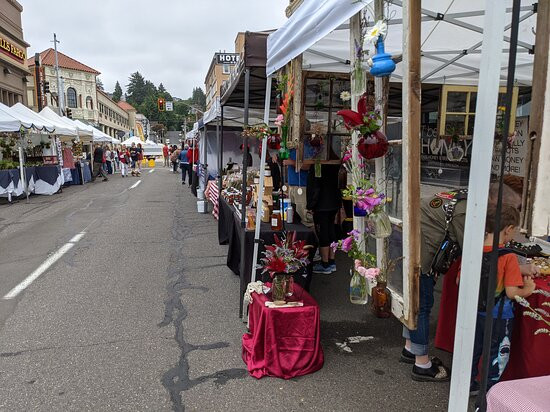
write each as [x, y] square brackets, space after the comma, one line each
[113, 119]
[78, 82]
[13, 54]
[218, 72]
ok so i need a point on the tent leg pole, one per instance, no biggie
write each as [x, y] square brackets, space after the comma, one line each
[478, 191]
[220, 157]
[243, 197]
[262, 180]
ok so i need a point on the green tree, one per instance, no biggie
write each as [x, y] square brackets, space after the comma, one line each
[99, 83]
[136, 89]
[198, 98]
[117, 94]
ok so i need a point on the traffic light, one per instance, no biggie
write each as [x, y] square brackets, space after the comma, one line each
[161, 104]
[69, 113]
[46, 87]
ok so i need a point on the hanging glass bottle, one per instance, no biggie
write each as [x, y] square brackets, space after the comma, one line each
[379, 225]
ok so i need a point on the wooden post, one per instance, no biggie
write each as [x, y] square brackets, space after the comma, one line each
[411, 159]
[540, 111]
[297, 118]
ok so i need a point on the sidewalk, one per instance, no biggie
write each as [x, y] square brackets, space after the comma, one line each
[370, 378]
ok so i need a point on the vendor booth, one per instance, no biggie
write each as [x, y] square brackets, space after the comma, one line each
[426, 105]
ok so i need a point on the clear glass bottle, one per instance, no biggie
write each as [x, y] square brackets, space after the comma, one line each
[379, 225]
[358, 288]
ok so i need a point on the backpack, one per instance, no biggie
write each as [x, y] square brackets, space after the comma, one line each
[484, 280]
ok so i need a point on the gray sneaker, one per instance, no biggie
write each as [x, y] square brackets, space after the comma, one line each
[319, 268]
[333, 267]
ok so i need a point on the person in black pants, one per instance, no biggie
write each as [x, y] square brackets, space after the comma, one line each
[324, 199]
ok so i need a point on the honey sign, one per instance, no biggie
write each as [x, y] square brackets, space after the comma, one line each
[12, 50]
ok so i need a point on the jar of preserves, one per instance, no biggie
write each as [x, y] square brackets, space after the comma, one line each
[276, 221]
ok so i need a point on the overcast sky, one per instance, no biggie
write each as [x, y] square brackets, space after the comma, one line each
[169, 41]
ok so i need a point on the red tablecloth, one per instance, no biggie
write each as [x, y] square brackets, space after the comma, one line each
[283, 342]
[529, 356]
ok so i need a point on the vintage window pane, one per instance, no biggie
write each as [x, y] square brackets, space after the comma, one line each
[339, 86]
[317, 93]
[455, 124]
[471, 121]
[456, 102]
[473, 102]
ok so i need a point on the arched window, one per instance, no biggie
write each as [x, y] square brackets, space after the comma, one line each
[71, 97]
[89, 103]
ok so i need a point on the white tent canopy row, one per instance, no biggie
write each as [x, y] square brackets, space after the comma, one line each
[451, 39]
[19, 116]
[146, 144]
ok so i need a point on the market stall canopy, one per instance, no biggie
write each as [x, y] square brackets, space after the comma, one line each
[84, 126]
[133, 139]
[254, 58]
[64, 125]
[232, 116]
[9, 122]
[27, 116]
[451, 40]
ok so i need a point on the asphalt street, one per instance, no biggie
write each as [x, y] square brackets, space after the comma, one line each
[140, 312]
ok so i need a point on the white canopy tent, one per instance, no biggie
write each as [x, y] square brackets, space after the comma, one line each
[133, 139]
[10, 122]
[65, 125]
[451, 39]
[39, 122]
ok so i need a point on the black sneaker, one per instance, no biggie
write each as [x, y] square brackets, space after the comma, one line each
[408, 357]
[437, 373]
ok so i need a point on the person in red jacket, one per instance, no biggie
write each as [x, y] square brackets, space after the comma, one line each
[166, 155]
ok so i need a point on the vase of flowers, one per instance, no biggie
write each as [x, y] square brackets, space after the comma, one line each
[367, 122]
[381, 300]
[281, 260]
[379, 225]
[365, 198]
[358, 291]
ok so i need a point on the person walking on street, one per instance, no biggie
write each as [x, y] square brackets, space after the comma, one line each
[135, 157]
[108, 160]
[174, 158]
[140, 158]
[184, 165]
[124, 159]
[99, 158]
[166, 155]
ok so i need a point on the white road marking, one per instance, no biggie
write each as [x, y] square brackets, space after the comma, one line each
[151, 171]
[135, 184]
[44, 266]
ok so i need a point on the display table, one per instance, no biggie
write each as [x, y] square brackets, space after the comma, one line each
[47, 180]
[283, 342]
[532, 395]
[529, 354]
[235, 233]
[10, 183]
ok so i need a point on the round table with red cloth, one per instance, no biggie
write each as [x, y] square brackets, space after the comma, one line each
[283, 342]
[529, 355]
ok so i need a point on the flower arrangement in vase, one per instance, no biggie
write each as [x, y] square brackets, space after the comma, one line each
[365, 198]
[286, 86]
[281, 260]
[367, 123]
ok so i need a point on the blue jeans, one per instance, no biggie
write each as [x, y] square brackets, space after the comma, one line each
[500, 348]
[420, 337]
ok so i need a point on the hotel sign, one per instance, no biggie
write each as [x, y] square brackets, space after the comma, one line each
[12, 50]
[227, 58]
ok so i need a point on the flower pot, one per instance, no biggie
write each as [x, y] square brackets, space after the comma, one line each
[379, 225]
[381, 300]
[358, 288]
[358, 212]
[373, 145]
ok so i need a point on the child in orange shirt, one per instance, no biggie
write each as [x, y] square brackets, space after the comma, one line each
[510, 283]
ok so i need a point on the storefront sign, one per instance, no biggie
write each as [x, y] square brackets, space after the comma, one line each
[516, 158]
[227, 58]
[435, 148]
[12, 50]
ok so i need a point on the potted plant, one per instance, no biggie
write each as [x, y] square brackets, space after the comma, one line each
[367, 123]
[281, 260]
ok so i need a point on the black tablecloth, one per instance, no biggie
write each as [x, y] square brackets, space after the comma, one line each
[48, 174]
[235, 235]
[7, 176]
[225, 222]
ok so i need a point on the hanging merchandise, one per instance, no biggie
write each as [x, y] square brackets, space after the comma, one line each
[358, 288]
[382, 64]
[367, 122]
